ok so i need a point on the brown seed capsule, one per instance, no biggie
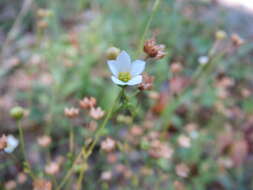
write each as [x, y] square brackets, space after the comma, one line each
[44, 141]
[71, 112]
[88, 102]
[182, 170]
[154, 50]
[108, 145]
[237, 40]
[9, 185]
[41, 184]
[52, 168]
[97, 113]
[147, 82]
[42, 24]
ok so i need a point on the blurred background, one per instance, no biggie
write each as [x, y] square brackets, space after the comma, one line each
[53, 53]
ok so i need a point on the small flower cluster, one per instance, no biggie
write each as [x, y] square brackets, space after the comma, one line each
[87, 103]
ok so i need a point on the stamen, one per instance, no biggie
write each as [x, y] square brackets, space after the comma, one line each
[124, 76]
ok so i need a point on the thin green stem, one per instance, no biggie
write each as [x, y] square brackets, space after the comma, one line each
[21, 139]
[22, 144]
[91, 147]
[70, 171]
[102, 126]
[154, 9]
[71, 140]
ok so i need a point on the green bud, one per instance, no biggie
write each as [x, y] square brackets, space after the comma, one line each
[17, 113]
[112, 53]
[220, 35]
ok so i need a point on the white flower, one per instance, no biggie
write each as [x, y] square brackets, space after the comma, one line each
[12, 143]
[203, 60]
[124, 72]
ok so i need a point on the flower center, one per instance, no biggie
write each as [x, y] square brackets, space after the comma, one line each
[124, 76]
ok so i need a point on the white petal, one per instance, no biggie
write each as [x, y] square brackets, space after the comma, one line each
[117, 81]
[136, 80]
[12, 143]
[138, 67]
[113, 67]
[124, 62]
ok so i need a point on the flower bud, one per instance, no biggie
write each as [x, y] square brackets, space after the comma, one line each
[44, 13]
[112, 53]
[220, 35]
[17, 113]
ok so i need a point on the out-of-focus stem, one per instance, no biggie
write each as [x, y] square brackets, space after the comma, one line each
[22, 144]
[176, 100]
[71, 140]
[154, 9]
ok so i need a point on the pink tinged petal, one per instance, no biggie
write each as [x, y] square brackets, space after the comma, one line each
[117, 81]
[124, 62]
[113, 67]
[138, 67]
[135, 80]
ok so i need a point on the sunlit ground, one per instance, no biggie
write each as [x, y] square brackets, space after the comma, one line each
[248, 4]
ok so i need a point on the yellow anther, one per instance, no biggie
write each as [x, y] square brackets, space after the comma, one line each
[124, 76]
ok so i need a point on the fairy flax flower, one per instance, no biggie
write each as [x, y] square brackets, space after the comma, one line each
[124, 72]
[12, 143]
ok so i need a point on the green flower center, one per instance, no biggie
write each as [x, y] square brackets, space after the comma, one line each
[124, 76]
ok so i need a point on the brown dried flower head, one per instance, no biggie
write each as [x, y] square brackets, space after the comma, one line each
[22, 178]
[52, 168]
[88, 102]
[154, 50]
[3, 142]
[108, 145]
[71, 112]
[147, 82]
[136, 130]
[184, 141]
[237, 40]
[160, 150]
[9, 185]
[106, 176]
[178, 185]
[182, 170]
[44, 141]
[97, 113]
[42, 24]
[41, 184]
